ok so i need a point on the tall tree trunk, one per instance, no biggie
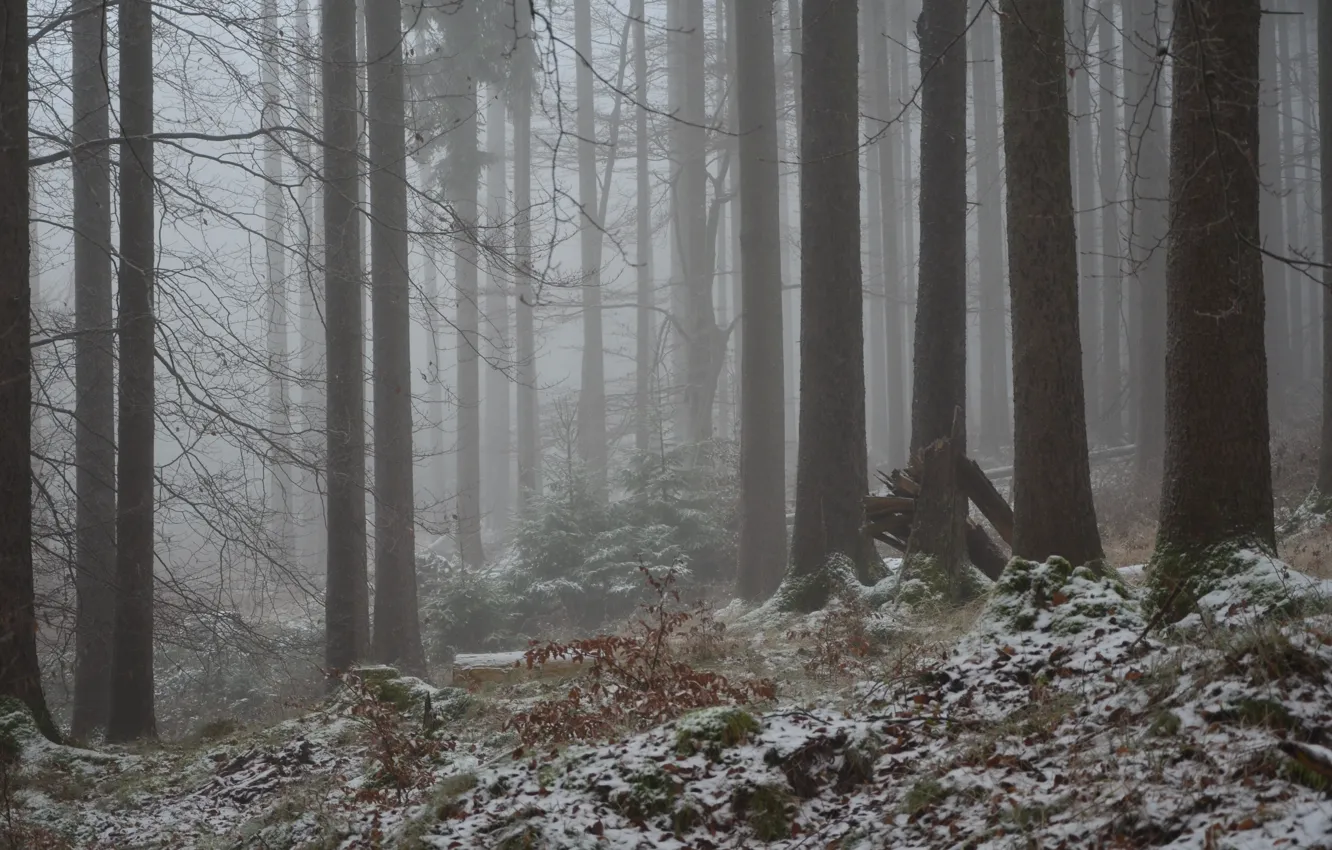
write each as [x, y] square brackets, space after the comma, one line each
[831, 475]
[1084, 155]
[1148, 192]
[1217, 487]
[499, 454]
[397, 630]
[876, 289]
[436, 484]
[529, 430]
[280, 479]
[592, 386]
[941, 304]
[904, 94]
[312, 307]
[995, 428]
[131, 714]
[762, 432]
[20, 676]
[1310, 191]
[1290, 212]
[1052, 496]
[643, 332]
[344, 599]
[1112, 374]
[790, 201]
[94, 366]
[1325, 205]
[464, 172]
[1273, 226]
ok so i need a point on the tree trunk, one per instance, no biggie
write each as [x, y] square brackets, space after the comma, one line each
[497, 432]
[312, 306]
[1052, 496]
[1325, 204]
[464, 172]
[762, 436]
[876, 286]
[1217, 486]
[280, 479]
[996, 425]
[1290, 214]
[529, 430]
[344, 615]
[436, 487]
[592, 386]
[831, 476]
[1273, 226]
[940, 383]
[1112, 374]
[94, 359]
[904, 94]
[397, 630]
[131, 714]
[20, 676]
[1148, 182]
[1083, 155]
[790, 207]
[643, 332]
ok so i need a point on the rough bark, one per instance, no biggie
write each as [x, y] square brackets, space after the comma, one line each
[1272, 224]
[94, 366]
[905, 94]
[131, 714]
[762, 547]
[397, 630]
[996, 425]
[1291, 242]
[1111, 285]
[1083, 157]
[831, 474]
[1217, 486]
[1148, 191]
[876, 277]
[20, 676]
[1052, 497]
[529, 431]
[788, 60]
[592, 386]
[343, 342]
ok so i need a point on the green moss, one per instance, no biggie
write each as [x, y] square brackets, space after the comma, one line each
[686, 817]
[651, 793]
[17, 729]
[922, 581]
[812, 592]
[711, 730]
[766, 808]
[922, 796]
[1165, 724]
[1262, 712]
[1057, 597]
[1181, 576]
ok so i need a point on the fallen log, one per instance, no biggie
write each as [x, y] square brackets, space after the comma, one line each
[476, 669]
[986, 497]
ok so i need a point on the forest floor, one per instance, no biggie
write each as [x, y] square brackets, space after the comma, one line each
[1046, 717]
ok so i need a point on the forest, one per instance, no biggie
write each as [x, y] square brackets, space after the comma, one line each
[684, 424]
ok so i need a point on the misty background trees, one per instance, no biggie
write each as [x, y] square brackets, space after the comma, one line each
[340, 331]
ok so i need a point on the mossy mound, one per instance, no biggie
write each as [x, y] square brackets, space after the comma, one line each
[712, 730]
[767, 808]
[923, 582]
[651, 793]
[18, 731]
[411, 695]
[807, 593]
[1059, 598]
[1237, 580]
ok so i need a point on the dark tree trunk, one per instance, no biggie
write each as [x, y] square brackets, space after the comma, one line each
[1290, 193]
[131, 714]
[498, 440]
[344, 615]
[464, 172]
[1148, 189]
[95, 389]
[592, 386]
[831, 475]
[996, 425]
[1084, 204]
[762, 434]
[20, 676]
[397, 632]
[940, 382]
[1217, 486]
[1052, 496]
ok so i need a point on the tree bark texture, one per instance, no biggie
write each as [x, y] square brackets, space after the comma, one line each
[529, 430]
[1111, 389]
[592, 387]
[1217, 485]
[1272, 224]
[1052, 496]
[499, 444]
